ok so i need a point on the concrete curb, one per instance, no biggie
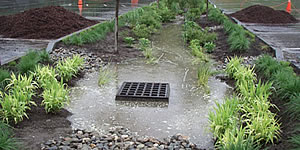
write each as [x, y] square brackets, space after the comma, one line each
[53, 43]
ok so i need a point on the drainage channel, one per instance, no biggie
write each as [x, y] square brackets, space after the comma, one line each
[186, 112]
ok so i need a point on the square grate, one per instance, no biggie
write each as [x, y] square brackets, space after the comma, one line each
[144, 91]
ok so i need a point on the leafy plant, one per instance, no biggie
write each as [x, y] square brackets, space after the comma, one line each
[294, 106]
[4, 75]
[209, 47]
[44, 56]
[197, 50]
[12, 108]
[45, 74]
[7, 141]
[55, 96]
[225, 117]
[142, 31]
[105, 75]
[28, 62]
[233, 65]
[129, 40]
[236, 139]
[238, 41]
[144, 43]
[22, 88]
[204, 72]
[69, 67]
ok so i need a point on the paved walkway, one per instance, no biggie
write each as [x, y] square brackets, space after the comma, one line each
[12, 49]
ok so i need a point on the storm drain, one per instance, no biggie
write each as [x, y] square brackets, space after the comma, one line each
[144, 91]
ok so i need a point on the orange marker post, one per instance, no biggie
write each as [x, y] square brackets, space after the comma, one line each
[289, 5]
[80, 7]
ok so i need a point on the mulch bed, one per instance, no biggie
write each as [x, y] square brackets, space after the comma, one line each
[263, 14]
[42, 23]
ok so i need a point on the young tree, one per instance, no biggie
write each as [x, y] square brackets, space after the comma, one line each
[116, 26]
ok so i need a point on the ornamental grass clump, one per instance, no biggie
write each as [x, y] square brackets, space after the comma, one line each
[69, 67]
[44, 74]
[204, 72]
[253, 115]
[55, 96]
[225, 117]
[7, 140]
[17, 100]
[105, 75]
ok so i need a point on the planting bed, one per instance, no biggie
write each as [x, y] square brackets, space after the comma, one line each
[42, 23]
[263, 14]
[105, 49]
[222, 50]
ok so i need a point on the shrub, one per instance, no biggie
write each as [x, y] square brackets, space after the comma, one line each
[4, 75]
[238, 41]
[142, 31]
[197, 50]
[69, 67]
[236, 139]
[233, 65]
[7, 141]
[204, 72]
[209, 47]
[28, 62]
[55, 96]
[225, 117]
[12, 108]
[44, 56]
[293, 106]
[45, 74]
[144, 43]
[129, 40]
[22, 88]
[192, 31]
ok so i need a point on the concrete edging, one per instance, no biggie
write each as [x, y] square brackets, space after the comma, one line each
[53, 43]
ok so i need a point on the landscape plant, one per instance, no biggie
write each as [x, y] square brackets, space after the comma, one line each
[28, 62]
[69, 67]
[129, 40]
[144, 44]
[7, 141]
[253, 116]
[105, 75]
[55, 96]
[209, 47]
[204, 72]
[4, 75]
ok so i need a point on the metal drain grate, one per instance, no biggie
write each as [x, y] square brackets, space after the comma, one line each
[144, 91]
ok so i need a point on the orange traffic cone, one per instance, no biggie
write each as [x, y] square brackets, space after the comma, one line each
[80, 7]
[288, 8]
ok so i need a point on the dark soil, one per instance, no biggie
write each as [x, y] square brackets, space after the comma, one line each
[42, 23]
[105, 49]
[263, 14]
[41, 126]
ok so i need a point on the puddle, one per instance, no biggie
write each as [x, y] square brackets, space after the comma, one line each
[95, 108]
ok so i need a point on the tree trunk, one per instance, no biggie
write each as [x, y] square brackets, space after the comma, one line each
[157, 3]
[206, 8]
[116, 26]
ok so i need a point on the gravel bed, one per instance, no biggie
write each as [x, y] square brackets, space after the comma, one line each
[117, 138]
